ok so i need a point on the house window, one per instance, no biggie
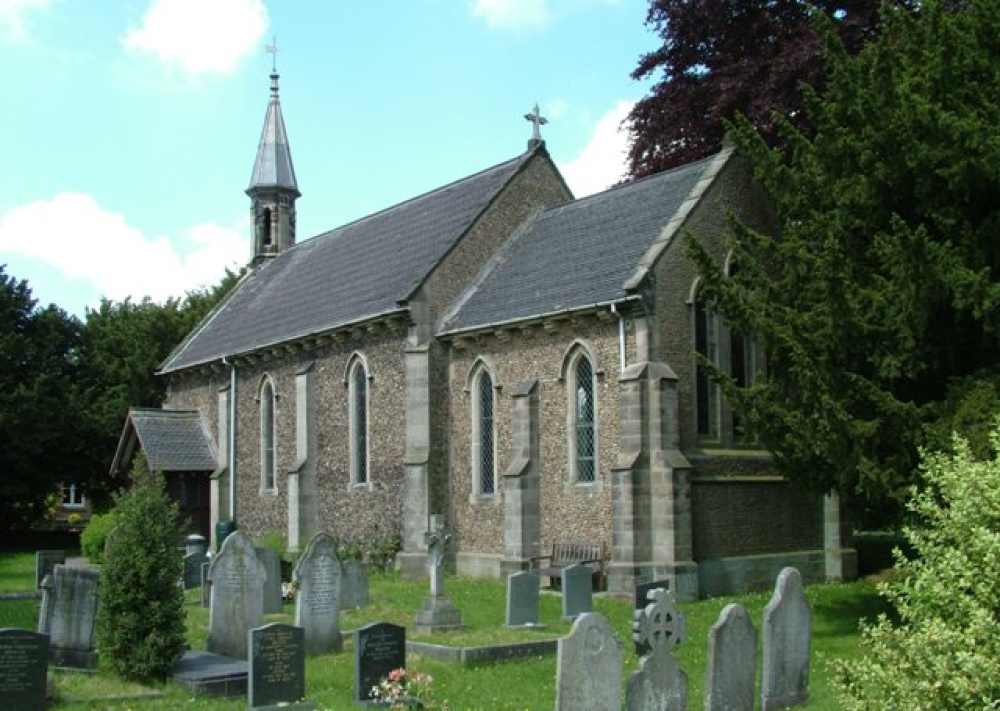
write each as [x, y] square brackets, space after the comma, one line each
[73, 497]
[358, 402]
[583, 431]
[268, 455]
[484, 435]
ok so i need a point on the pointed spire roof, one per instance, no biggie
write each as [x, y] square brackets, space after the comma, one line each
[273, 167]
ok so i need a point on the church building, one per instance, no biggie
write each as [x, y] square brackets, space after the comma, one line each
[496, 351]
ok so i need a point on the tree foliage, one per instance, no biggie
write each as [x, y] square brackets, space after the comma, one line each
[141, 620]
[723, 57]
[877, 296]
[943, 651]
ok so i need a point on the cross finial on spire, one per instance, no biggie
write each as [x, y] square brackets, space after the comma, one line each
[537, 121]
[272, 49]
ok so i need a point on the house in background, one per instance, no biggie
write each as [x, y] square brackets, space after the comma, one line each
[497, 351]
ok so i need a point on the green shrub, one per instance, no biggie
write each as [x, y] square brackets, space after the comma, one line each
[943, 652]
[141, 620]
[95, 535]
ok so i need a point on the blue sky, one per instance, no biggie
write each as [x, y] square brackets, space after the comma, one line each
[131, 127]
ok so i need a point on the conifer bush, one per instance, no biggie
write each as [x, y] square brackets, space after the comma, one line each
[943, 651]
[95, 535]
[141, 622]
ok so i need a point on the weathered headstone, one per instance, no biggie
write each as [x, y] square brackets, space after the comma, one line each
[787, 629]
[69, 611]
[589, 667]
[522, 599]
[577, 590]
[45, 563]
[192, 569]
[732, 661]
[438, 612]
[380, 648]
[353, 585]
[277, 668]
[317, 603]
[659, 682]
[24, 664]
[273, 602]
[237, 598]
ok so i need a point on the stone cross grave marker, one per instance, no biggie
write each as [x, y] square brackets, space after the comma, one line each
[438, 612]
[237, 598]
[732, 661]
[577, 590]
[380, 648]
[522, 599]
[273, 602]
[787, 629]
[589, 667]
[277, 668]
[68, 616]
[45, 563]
[24, 665]
[658, 682]
[317, 603]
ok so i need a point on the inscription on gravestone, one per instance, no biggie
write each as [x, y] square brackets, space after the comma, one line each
[237, 597]
[317, 604]
[380, 648]
[277, 666]
[24, 662]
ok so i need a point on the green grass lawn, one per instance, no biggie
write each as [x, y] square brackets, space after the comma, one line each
[523, 684]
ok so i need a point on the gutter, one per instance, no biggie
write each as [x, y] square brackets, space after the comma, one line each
[621, 336]
[231, 447]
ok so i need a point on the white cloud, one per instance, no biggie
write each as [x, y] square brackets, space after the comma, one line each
[13, 14]
[604, 160]
[515, 15]
[200, 36]
[74, 235]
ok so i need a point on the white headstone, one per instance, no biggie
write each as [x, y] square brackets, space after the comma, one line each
[787, 629]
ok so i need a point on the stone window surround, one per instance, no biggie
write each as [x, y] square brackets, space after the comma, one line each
[483, 365]
[580, 348]
[355, 431]
[267, 399]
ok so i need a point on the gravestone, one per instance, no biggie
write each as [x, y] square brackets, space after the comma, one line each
[317, 603]
[24, 664]
[380, 648]
[659, 682]
[237, 597]
[577, 590]
[273, 602]
[192, 569]
[438, 613]
[206, 585]
[642, 591]
[787, 626]
[68, 614]
[277, 668]
[732, 661]
[353, 585]
[45, 563]
[522, 599]
[589, 667]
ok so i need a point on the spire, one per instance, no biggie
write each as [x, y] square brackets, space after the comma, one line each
[537, 121]
[273, 167]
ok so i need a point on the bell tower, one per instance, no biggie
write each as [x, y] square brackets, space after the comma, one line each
[273, 189]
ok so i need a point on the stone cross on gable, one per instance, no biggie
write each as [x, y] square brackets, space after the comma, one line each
[537, 121]
[437, 539]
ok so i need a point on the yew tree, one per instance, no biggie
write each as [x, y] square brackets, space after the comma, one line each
[876, 296]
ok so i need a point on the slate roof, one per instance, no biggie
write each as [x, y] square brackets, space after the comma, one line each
[350, 274]
[577, 254]
[172, 440]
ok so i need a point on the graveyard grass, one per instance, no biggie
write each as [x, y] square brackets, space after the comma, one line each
[524, 684]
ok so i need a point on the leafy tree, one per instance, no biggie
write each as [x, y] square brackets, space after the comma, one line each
[721, 57]
[876, 297]
[943, 652]
[38, 411]
[141, 620]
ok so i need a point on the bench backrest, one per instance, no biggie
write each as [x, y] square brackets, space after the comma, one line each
[572, 552]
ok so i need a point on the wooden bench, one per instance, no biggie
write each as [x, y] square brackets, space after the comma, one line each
[567, 553]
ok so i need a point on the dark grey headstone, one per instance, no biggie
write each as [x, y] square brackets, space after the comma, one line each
[522, 598]
[277, 666]
[206, 585]
[45, 563]
[577, 590]
[24, 664]
[787, 629]
[317, 602]
[193, 562]
[273, 602]
[353, 585]
[732, 661]
[380, 648]
[237, 597]
[68, 616]
[589, 666]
